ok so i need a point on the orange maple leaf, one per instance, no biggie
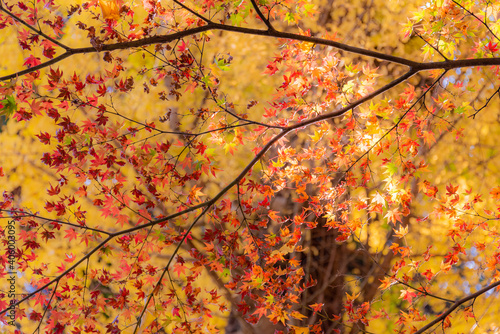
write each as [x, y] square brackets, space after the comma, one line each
[495, 193]
[386, 283]
[110, 9]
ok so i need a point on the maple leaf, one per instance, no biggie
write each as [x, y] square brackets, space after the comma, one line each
[428, 137]
[451, 190]
[401, 232]
[408, 295]
[180, 269]
[386, 283]
[495, 193]
[447, 322]
[195, 193]
[32, 61]
[271, 69]
[175, 312]
[41, 299]
[122, 220]
[393, 216]
[428, 274]
[317, 307]
[110, 9]
[183, 46]
[300, 330]
[49, 52]
[261, 311]
[297, 315]
[71, 234]
[44, 138]
[492, 47]
[3, 305]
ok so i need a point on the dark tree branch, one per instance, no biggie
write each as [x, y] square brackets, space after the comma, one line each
[477, 18]
[111, 47]
[432, 46]
[488, 100]
[455, 305]
[415, 66]
[262, 17]
[201, 17]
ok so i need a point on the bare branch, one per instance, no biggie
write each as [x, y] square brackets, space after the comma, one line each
[488, 100]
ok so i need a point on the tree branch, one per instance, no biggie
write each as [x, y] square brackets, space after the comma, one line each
[29, 26]
[477, 18]
[22, 214]
[192, 12]
[165, 270]
[111, 47]
[58, 278]
[455, 305]
[160, 39]
[208, 204]
[262, 17]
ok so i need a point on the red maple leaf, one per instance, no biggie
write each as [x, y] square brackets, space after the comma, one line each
[71, 234]
[492, 47]
[179, 269]
[32, 61]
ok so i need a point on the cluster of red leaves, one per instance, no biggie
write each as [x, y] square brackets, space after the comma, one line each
[151, 197]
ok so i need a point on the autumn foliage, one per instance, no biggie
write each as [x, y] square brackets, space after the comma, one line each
[247, 166]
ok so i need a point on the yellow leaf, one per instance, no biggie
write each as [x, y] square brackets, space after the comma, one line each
[403, 230]
[445, 266]
[110, 9]
[195, 192]
[297, 315]
[316, 137]
[300, 330]
[386, 283]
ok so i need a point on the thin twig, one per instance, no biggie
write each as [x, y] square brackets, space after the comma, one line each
[223, 191]
[165, 270]
[457, 304]
[193, 12]
[22, 214]
[262, 17]
[477, 18]
[37, 31]
[488, 100]
[432, 46]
